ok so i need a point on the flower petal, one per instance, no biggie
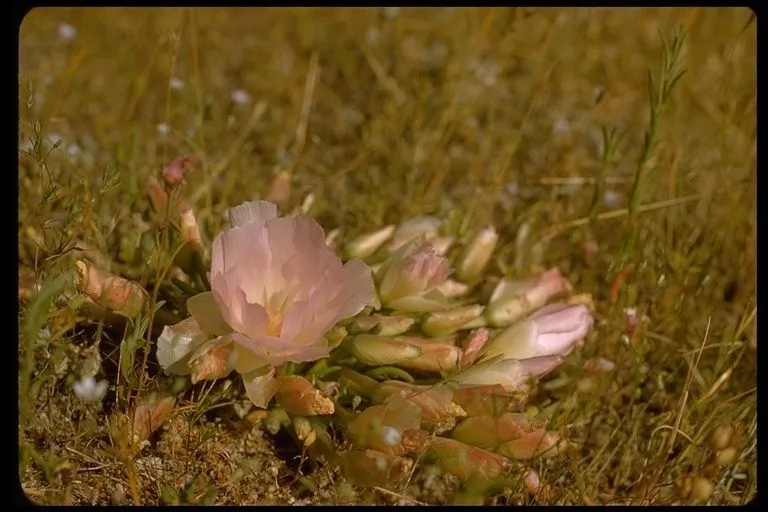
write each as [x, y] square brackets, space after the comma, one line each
[260, 385]
[205, 310]
[176, 344]
[252, 212]
[278, 350]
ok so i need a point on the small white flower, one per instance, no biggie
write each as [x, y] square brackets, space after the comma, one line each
[561, 126]
[54, 138]
[611, 198]
[73, 150]
[391, 12]
[176, 83]
[88, 390]
[67, 32]
[241, 97]
[163, 129]
[390, 436]
[372, 35]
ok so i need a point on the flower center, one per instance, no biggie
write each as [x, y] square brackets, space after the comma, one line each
[274, 322]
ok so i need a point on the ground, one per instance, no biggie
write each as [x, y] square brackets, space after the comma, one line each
[533, 120]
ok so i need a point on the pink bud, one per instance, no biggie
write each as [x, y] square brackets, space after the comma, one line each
[298, 396]
[110, 291]
[463, 460]
[512, 300]
[381, 427]
[173, 174]
[473, 345]
[434, 401]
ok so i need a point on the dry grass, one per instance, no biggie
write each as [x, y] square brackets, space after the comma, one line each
[383, 115]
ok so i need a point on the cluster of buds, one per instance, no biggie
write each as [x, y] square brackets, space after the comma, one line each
[430, 322]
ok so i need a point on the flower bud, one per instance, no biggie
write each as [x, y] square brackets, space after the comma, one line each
[280, 189]
[726, 456]
[452, 289]
[411, 272]
[157, 195]
[552, 330]
[174, 173]
[372, 349]
[443, 323]
[599, 365]
[210, 361]
[511, 374]
[512, 300]
[701, 490]
[463, 460]
[372, 468]
[366, 245]
[434, 401]
[380, 427]
[721, 437]
[536, 443]
[437, 355]
[474, 344]
[490, 431]
[426, 226]
[532, 481]
[384, 325]
[490, 400]
[477, 255]
[149, 416]
[304, 431]
[109, 290]
[297, 396]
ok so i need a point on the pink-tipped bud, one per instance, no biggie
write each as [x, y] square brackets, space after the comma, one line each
[372, 468]
[474, 344]
[280, 189]
[373, 349]
[411, 272]
[512, 374]
[477, 255]
[174, 173]
[552, 330]
[157, 195]
[538, 443]
[148, 417]
[366, 245]
[489, 431]
[452, 289]
[443, 323]
[381, 427]
[298, 396]
[436, 355]
[463, 460]
[490, 400]
[426, 227]
[110, 291]
[512, 300]
[384, 325]
[434, 401]
[211, 360]
[532, 481]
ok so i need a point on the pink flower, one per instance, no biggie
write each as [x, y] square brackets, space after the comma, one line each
[174, 173]
[552, 330]
[276, 290]
[409, 279]
[512, 300]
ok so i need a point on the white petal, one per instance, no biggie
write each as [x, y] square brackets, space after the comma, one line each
[260, 386]
[204, 309]
[176, 344]
[252, 212]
